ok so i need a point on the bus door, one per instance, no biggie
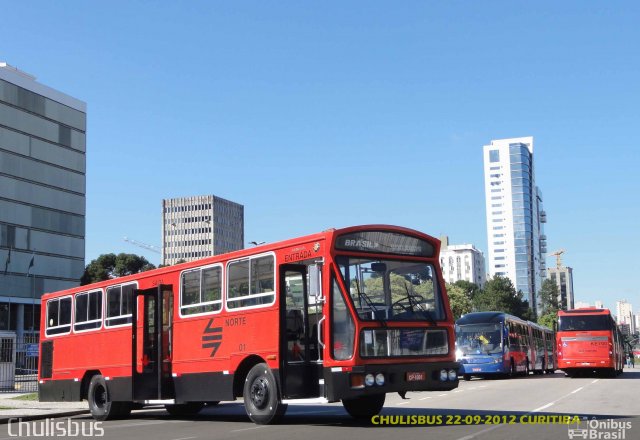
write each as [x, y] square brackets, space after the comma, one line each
[152, 343]
[300, 321]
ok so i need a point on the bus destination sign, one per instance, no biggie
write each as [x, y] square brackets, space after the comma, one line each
[384, 243]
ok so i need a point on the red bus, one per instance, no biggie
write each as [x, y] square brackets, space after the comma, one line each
[346, 314]
[588, 341]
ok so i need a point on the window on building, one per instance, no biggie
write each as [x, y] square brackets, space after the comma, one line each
[494, 156]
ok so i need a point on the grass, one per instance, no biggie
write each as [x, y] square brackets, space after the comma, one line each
[31, 396]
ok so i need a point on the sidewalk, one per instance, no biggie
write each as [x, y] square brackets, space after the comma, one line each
[33, 410]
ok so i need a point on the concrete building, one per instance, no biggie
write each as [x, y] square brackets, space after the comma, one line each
[624, 314]
[42, 195]
[582, 305]
[516, 241]
[563, 277]
[462, 262]
[200, 226]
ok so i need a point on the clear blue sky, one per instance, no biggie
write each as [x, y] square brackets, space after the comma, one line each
[326, 114]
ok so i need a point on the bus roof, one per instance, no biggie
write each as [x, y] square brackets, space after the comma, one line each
[486, 317]
[584, 311]
[327, 234]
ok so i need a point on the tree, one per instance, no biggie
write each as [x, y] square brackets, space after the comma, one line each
[549, 303]
[471, 289]
[500, 295]
[108, 266]
[459, 300]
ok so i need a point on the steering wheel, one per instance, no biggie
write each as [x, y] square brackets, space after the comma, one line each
[406, 303]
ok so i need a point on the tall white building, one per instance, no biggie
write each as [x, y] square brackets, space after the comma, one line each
[462, 262]
[516, 241]
[200, 226]
[624, 312]
[582, 305]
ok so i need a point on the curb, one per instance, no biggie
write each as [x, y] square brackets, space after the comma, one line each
[29, 418]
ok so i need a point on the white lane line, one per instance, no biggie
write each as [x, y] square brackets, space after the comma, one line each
[440, 395]
[472, 388]
[425, 398]
[458, 391]
[482, 386]
[183, 438]
[158, 422]
[595, 381]
[575, 391]
[543, 407]
[475, 434]
[403, 403]
[248, 429]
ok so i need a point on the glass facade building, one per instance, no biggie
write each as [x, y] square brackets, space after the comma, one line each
[200, 226]
[516, 240]
[42, 195]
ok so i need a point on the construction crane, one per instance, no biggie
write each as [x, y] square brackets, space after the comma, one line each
[146, 246]
[558, 255]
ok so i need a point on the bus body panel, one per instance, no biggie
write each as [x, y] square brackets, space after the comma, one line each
[207, 352]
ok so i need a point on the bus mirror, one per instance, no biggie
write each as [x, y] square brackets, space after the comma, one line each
[315, 289]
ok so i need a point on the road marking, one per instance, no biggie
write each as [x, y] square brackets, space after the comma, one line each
[472, 388]
[403, 403]
[484, 431]
[183, 438]
[440, 395]
[458, 391]
[543, 407]
[249, 429]
[595, 381]
[482, 386]
[157, 422]
[425, 398]
[575, 391]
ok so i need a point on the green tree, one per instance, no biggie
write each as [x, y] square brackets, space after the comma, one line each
[108, 266]
[499, 294]
[548, 295]
[459, 300]
[471, 289]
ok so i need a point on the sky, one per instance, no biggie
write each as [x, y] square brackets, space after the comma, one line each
[328, 114]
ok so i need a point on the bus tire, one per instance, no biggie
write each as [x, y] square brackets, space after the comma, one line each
[100, 404]
[261, 396]
[184, 409]
[364, 407]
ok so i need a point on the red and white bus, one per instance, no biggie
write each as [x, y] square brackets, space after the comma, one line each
[346, 314]
[589, 340]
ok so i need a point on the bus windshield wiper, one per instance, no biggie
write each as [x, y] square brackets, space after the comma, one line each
[416, 305]
[369, 303]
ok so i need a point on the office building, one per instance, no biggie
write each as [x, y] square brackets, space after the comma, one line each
[563, 277]
[462, 262]
[516, 241]
[42, 195]
[200, 226]
[624, 314]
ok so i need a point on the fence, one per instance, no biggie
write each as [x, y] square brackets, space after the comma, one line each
[18, 363]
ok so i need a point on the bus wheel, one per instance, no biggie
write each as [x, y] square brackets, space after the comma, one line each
[184, 409]
[364, 407]
[100, 404]
[261, 400]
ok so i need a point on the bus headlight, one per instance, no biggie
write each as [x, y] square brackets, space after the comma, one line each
[444, 375]
[369, 380]
[379, 379]
[453, 375]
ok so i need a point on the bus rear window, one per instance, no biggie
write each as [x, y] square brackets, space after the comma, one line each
[584, 323]
[58, 316]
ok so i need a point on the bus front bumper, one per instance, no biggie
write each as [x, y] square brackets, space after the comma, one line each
[347, 382]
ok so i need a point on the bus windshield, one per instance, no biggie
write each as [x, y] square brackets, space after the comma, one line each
[389, 290]
[584, 322]
[479, 338]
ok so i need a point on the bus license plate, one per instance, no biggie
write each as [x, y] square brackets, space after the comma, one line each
[416, 376]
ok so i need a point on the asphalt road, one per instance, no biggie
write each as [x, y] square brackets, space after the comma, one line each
[506, 409]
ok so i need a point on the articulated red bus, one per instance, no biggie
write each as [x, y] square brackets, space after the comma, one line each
[347, 314]
[589, 340]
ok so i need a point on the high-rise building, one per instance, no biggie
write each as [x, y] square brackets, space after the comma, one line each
[624, 312]
[200, 226]
[516, 241]
[42, 195]
[563, 277]
[462, 262]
